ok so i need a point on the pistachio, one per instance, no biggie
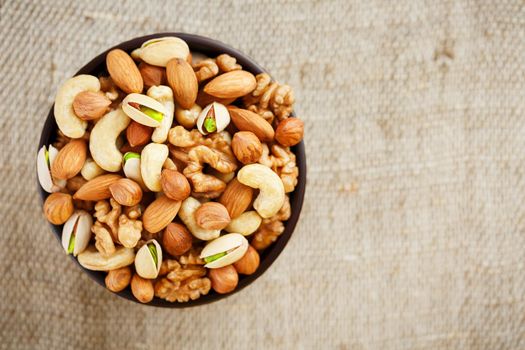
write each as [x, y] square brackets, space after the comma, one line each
[44, 160]
[159, 51]
[131, 168]
[224, 250]
[144, 109]
[148, 260]
[76, 232]
[213, 118]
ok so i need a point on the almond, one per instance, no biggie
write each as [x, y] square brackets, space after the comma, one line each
[289, 132]
[126, 192]
[212, 216]
[138, 134]
[152, 75]
[246, 147]
[176, 239]
[58, 207]
[246, 120]
[183, 81]
[160, 213]
[203, 99]
[89, 105]
[233, 84]
[124, 71]
[97, 188]
[69, 160]
[174, 184]
[236, 198]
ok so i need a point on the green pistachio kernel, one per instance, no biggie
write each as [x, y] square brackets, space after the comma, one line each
[46, 154]
[214, 257]
[130, 155]
[156, 115]
[153, 251]
[210, 125]
[71, 245]
[151, 42]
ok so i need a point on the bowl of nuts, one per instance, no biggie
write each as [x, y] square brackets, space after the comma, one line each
[172, 169]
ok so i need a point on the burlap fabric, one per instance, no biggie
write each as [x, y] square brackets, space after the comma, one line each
[413, 231]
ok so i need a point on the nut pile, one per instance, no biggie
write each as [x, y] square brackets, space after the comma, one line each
[171, 173]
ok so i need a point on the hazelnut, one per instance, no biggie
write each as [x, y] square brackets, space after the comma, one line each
[138, 134]
[212, 216]
[249, 263]
[58, 207]
[152, 75]
[176, 239]
[175, 185]
[89, 105]
[246, 147]
[142, 289]
[117, 280]
[289, 132]
[126, 192]
[223, 279]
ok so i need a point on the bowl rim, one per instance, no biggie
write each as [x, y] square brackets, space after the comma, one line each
[202, 44]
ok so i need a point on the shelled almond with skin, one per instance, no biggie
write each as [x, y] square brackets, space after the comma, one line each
[203, 99]
[246, 147]
[289, 132]
[152, 75]
[183, 82]
[124, 71]
[89, 105]
[138, 134]
[126, 192]
[69, 160]
[160, 213]
[236, 198]
[212, 216]
[175, 185]
[58, 207]
[246, 120]
[231, 85]
[97, 189]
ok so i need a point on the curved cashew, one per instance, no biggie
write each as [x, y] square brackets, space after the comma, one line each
[187, 215]
[71, 125]
[245, 224]
[164, 95]
[91, 259]
[271, 195]
[103, 140]
[91, 170]
[151, 161]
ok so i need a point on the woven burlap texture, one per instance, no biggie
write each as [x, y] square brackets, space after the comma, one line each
[412, 235]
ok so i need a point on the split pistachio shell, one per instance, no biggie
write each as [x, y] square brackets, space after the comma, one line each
[151, 161]
[43, 166]
[164, 95]
[78, 228]
[218, 113]
[145, 263]
[187, 215]
[139, 116]
[71, 125]
[132, 168]
[159, 51]
[233, 244]
[91, 259]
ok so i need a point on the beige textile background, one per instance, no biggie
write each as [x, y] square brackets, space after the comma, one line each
[412, 234]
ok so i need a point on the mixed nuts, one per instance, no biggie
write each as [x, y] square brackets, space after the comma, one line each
[172, 173]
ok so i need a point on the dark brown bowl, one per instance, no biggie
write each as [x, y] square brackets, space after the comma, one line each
[211, 48]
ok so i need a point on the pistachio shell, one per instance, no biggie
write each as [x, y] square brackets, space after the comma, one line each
[78, 224]
[159, 51]
[139, 116]
[132, 171]
[144, 263]
[222, 117]
[225, 243]
[43, 168]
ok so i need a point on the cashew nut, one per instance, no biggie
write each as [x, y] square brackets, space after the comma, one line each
[164, 95]
[187, 215]
[151, 161]
[91, 259]
[71, 125]
[103, 140]
[90, 170]
[245, 224]
[271, 194]
[188, 117]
